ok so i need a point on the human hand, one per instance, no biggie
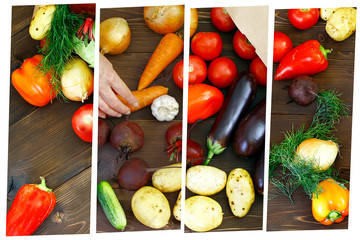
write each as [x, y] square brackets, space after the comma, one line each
[111, 84]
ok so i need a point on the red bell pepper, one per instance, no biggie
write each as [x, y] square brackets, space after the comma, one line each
[31, 84]
[32, 204]
[306, 59]
[203, 101]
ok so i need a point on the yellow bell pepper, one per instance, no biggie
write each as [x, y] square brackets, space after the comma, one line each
[332, 204]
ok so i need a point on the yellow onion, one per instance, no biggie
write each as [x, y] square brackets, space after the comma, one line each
[115, 35]
[193, 21]
[320, 153]
[164, 19]
[77, 81]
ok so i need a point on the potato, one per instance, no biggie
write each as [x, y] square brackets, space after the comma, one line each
[202, 213]
[240, 192]
[177, 208]
[41, 22]
[205, 180]
[341, 24]
[325, 13]
[168, 179]
[151, 207]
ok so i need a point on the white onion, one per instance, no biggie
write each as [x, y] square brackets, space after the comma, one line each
[320, 153]
[115, 35]
[77, 81]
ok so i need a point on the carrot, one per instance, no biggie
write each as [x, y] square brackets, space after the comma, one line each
[169, 48]
[145, 96]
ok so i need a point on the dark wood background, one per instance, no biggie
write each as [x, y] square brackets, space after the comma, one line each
[282, 214]
[43, 143]
[130, 66]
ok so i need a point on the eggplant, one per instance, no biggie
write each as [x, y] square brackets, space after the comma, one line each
[258, 174]
[250, 133]
[240, 95]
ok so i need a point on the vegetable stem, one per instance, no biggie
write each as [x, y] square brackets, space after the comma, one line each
[43, 186]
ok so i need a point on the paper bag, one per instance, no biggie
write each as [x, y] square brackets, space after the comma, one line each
[253, 23]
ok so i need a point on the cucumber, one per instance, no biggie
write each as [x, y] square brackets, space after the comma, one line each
[111, 205]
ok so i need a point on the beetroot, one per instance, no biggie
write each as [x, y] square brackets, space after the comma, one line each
[173, 133]
[127, 137]
[303, 90]
[103, 132]
[134, 174]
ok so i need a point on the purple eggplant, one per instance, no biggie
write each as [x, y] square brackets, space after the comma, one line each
[238, 99]
[250, 133]
[258, 174]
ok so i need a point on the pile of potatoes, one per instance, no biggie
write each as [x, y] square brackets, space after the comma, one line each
[340, 22]
[202, 213]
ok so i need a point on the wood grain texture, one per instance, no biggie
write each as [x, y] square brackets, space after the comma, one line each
[282, 214]
[43, 143]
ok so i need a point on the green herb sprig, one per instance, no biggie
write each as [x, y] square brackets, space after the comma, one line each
[59, 45]
[285, 174]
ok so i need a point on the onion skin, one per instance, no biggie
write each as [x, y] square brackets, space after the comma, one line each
[115, 36]
[320, 152]
[193, 21]
[77, 81]
[164, 19]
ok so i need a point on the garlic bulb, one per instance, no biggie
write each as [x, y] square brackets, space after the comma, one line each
[165, 108]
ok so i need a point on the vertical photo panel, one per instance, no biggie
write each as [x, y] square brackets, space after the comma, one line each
[311, 119]
[140, 124]
[50, 119]
[226, 120]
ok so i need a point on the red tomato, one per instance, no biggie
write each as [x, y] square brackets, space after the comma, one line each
[207, 45]
[259, 70]
[197, 71]
[221, 19]
[222, 72]
[82, 122]
[303, 18]
[243, 47]
[178, 74]
[282, 45]
[203, 101]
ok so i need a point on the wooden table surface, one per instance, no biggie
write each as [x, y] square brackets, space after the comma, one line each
[43, 143]
[130, 66]
[282, 214]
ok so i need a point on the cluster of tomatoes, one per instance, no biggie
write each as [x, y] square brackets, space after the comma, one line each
[207, 47]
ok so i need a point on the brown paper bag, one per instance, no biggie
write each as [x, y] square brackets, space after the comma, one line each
[253, 23]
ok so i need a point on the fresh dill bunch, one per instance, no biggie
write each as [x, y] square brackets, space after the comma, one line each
[295, 172]
[59, 46]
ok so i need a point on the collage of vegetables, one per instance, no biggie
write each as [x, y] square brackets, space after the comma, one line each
[99, 104]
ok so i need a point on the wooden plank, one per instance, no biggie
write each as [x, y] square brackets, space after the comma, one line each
[71, 214]
[21, 18]
[44, 144]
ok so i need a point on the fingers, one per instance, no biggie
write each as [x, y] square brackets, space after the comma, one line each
[122, 89]
[101, 114]
[111, 84]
